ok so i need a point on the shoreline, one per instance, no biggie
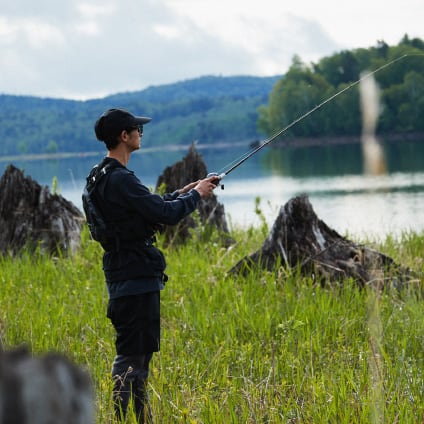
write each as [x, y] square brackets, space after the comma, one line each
[351, 139]
[293, 142]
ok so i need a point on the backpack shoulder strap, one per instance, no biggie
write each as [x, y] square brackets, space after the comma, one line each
[92, 193]
[99, 171]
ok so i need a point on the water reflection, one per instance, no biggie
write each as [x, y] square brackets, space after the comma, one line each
[363, 206]
[315, 160]
[344, 159]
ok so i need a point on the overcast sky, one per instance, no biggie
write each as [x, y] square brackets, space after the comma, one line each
[85, 49]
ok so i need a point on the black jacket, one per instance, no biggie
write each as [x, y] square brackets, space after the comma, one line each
[136, 213]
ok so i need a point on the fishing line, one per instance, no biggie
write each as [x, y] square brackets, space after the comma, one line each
[237, 162]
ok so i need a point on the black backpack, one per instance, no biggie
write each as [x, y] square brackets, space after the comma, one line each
[100, 230]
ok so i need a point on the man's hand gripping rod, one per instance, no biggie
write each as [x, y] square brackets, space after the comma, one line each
[217, 180]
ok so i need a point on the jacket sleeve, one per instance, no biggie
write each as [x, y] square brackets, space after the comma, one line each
[171, 196]
[153, 207]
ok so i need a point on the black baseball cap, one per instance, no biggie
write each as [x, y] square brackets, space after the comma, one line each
[113, 121]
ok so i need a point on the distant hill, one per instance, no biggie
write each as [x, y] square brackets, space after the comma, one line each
[208, 109]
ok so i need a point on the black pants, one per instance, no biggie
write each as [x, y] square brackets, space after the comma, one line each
[136, 320]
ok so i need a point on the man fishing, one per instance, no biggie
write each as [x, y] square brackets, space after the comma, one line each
[133, 266]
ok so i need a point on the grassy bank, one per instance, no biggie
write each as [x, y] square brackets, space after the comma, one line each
[264, 349]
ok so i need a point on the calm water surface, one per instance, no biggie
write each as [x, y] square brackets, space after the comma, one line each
[347, 200]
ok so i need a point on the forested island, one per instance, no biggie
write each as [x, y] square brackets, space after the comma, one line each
[215, 109]
[305, 86]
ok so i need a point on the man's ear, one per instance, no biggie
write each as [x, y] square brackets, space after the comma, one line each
[123, 136]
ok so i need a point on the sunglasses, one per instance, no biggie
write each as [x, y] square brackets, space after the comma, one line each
[139, 128]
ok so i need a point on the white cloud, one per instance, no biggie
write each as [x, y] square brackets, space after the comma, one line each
[8, 32]
[92, 11]
[87, 48]
[168, 31]
[32, 32]
[40, 34]
[89, 22]
[88, 28]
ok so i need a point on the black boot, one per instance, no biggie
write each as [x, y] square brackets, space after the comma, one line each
[130, 382]
[121, 395]
[141, 402]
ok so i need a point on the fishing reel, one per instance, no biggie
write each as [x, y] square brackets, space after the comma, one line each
[216, 181]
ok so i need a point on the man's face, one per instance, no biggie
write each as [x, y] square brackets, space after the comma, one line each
[134, 138]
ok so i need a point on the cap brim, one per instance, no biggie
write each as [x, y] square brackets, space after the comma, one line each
[141, 120]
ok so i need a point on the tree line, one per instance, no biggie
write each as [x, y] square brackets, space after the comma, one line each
[207, 109]
[305, 86]
[215, 109]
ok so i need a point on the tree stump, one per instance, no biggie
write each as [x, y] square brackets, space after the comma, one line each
[30, 216]
[300, 240]
[211, 212]
[44, 389]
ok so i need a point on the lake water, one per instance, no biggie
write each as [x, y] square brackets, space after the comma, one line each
[347, 200]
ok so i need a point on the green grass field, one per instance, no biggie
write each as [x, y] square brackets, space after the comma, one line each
[268, 348]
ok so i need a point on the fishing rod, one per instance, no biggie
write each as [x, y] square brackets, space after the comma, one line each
[220, 176]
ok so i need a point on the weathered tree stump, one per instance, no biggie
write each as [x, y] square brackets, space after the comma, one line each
[30, 216]
[300, 240]
[211, 212]
[44, 389]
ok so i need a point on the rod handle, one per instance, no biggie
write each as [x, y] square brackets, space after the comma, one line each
[217, 180]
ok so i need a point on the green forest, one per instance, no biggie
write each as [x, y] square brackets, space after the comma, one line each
[207, 109]
[306, 86]
[215, 109]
